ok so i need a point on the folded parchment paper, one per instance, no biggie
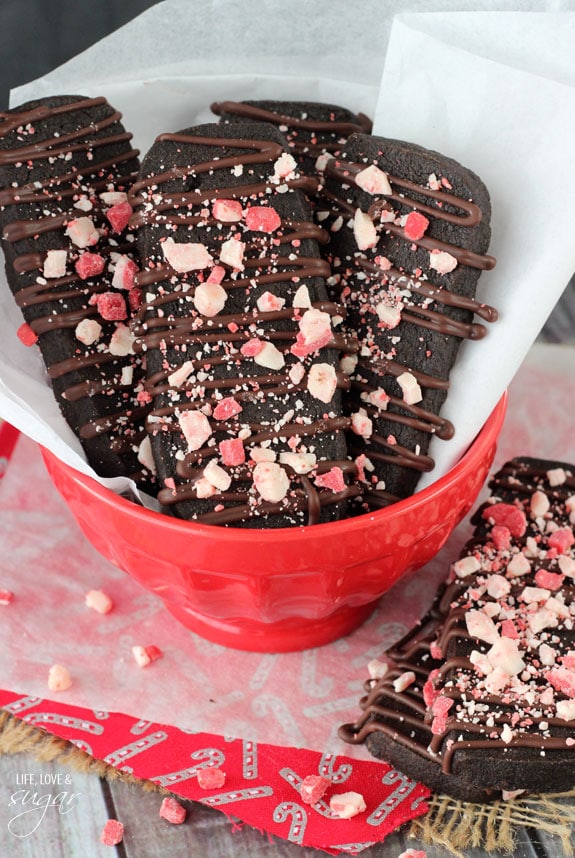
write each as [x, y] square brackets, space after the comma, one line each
[494, 90]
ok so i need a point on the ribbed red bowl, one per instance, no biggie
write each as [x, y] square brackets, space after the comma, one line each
[277, 590]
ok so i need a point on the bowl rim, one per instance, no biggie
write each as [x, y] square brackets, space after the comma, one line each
[492, 425]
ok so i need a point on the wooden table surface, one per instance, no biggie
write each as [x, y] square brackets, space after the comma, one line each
[91, 801]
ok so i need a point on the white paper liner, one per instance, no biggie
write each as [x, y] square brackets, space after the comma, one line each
[511, 123]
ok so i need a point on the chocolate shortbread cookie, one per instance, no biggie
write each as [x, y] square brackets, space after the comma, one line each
[478, 701]
[65, 164]
[242, 361]
[406, 251]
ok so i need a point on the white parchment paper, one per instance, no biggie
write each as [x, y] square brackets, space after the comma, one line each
[495, 91]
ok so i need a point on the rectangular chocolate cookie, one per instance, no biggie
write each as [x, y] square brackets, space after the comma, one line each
[478, 701]
[65, 165]
[406, 252]
[241, 351]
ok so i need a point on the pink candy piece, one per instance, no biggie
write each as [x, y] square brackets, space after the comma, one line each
[232, 451]
[211, 778]
[332, 480]
[415, 226]
[507, 515]
[89, 265]
[501, 537]
[262, 219]
[312, 788]
[413, 853]
[99, 601]
[59, 678]
[226, 408]
[111, 306]
[562, 679]
[6, 596]
[112, 833]
[439, 709]
[145, 655]
[186, 256]
[561, 539]
[119, 216]
[549, 580]
[252, 347]
[172, 811]
[26, 335]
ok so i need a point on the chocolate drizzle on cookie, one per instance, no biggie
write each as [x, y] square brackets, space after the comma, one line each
[65, 164]
[249, 371]
[480, 696]
[407, 247]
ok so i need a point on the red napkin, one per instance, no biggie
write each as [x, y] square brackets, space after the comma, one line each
[261, 781]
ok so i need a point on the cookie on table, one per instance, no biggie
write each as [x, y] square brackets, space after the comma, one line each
[478, 701]
[65, 165]
[406, 250]
[312, 129]
[240, 340]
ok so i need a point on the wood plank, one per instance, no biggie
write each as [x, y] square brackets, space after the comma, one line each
[64, 827]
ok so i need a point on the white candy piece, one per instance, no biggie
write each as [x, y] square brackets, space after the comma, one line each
[390, 317]
[55, 264]
[302, 299]
[410, 388]
[479, 625]
[180, 375]
[186, 256]
[145, 457]
[302, 463]
[217, 476]
[539, 504]
[404, 681]
[82, 232]
[271, 481]
[442, 261]
[232, 254]
[270, 357]
[322, 381]
[466, 566]
[347, 804]
[284, 166]
[505, 654]
[88, 331]
[122, 341]
[373, 180]
[209, 299]
[195, 427]
[361, 424]
[364, 230]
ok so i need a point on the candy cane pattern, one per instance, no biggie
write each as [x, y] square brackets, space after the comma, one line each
[65, 721]
[21, 705]
[294, 780]
[127, 751]
[237, 795]
[314, 685]
[140, 727]
[299, 819]
[405, 787]
[82, 746]
[327, 769]
[262, 671]
[100, 714]
[352, 848]
[249, 759]
[207, 757]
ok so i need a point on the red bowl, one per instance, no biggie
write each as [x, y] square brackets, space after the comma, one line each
[283, 589]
